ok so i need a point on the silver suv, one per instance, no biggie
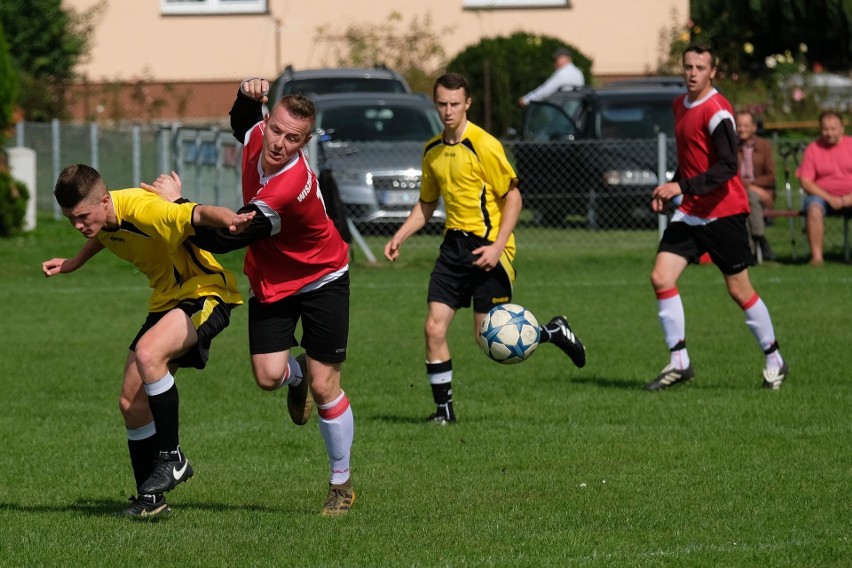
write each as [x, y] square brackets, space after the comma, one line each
[370, 146]
[339, 80]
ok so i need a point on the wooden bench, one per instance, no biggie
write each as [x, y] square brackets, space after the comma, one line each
[791, 214]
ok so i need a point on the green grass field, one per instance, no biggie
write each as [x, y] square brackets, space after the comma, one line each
[549, 465]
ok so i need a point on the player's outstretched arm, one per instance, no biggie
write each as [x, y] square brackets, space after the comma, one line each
[56, 266]
[167, 186]
[213, 216]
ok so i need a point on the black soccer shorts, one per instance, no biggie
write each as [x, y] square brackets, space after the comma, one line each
[725, 240]
[324, 313]
[209, 316]
[455, 280]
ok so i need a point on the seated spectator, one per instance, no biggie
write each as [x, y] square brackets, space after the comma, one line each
[826, 176]
[566, 74]
[757, 172]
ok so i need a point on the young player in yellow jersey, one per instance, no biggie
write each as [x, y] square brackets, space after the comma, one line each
[190, 303]
[468, 168]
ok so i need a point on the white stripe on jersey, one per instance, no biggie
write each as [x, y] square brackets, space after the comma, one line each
[270, 214]
[717, 119]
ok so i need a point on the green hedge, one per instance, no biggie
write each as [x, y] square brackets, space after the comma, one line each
[13, 204]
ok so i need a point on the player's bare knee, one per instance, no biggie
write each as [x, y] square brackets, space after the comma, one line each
[324, 390]
[149, 360]
[325, 382]
[435, 332]
[660, 280]
[267, 381]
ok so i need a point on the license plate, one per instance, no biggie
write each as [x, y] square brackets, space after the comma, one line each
[399, 197]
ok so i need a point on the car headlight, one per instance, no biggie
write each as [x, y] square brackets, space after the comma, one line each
[629, 177]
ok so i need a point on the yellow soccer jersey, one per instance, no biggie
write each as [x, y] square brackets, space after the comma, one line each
[152, 234]
[472, 176]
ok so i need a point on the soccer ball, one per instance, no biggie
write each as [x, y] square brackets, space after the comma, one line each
[509, 334]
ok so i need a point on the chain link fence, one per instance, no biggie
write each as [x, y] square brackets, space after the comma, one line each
[582, 193]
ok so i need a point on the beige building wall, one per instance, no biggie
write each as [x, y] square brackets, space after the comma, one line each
[134, 40]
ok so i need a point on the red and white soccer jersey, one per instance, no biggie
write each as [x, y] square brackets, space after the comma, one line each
[695, 123]
[304, 246]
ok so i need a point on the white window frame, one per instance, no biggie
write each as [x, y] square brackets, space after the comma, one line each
[467, 4]
[170, 7]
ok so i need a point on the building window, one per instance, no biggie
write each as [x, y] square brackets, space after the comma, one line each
[516, 3]
[213, 6]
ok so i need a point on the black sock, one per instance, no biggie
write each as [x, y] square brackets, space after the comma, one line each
[546, 333]
[164, 408]
[446, 410]
[142, 456]
[442, 393]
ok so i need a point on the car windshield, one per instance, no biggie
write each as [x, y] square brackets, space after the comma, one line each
[326, 85]
[380, 123]
[635, 119]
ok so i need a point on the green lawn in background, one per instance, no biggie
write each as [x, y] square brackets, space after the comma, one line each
[549, 465]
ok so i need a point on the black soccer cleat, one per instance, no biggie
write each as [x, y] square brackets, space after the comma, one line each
[443, 415]
[562, 336]
[146, 507]
[171, 469]
[670, 377]
[773, 379]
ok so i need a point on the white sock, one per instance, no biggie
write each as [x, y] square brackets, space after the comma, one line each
[671, 316]
[774, 361]
[141, 433]
[292, 374]
[337, 426]
[760, 324]
[159, 387]
[673, 320]
[679, 359]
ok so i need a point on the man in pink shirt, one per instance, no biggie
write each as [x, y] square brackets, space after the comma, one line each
[826, 176]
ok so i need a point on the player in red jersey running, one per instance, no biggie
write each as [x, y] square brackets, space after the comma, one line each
[711, 218]
[298, 268]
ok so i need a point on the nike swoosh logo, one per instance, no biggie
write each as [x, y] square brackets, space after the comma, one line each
[178, 473]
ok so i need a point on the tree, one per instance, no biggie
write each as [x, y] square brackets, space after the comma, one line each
[46, 41]
[414, 49]
[770, 51]
[744, 34]
[8, 87]
[502, 69]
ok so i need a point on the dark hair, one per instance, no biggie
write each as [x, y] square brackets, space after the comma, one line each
[700, 49]
[299, 105]
[748, 112]
[452, 81]
[76, 183]
[836, 114]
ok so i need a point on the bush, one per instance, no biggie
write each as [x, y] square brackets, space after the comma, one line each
[13, 204]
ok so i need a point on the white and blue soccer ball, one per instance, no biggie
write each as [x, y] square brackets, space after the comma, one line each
[509, 334]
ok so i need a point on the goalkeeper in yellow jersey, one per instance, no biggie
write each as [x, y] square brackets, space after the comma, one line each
[190, 303]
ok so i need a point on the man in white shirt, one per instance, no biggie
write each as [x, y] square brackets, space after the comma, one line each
[566, 75]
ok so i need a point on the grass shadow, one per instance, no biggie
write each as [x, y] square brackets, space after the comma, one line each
[608, 383]
[108, 507]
